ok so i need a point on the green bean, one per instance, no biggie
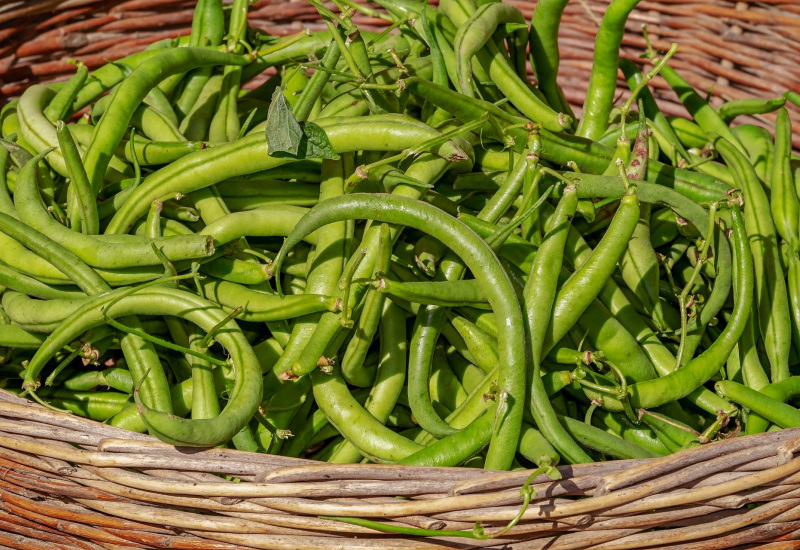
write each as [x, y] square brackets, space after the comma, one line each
[79, 184]
[116, 378]
[688, 133]
[757, 142]
[702, 113]
[12, 336]
[781, 391]
[389, 377]
[130, 252]
[246, 393]
[544, 55]
[682, 382]
[441, 293]
[133, 90]
[367, 323]
[772, 300]
[60, 106]
[94, 405]
[457, 448]
[603, 78]
[784, 204]
[603, 442]
[480, 260]
[640, 435]
[540, 296]
[763, 405]
[738, 107]
[473, 35]
[14, 280]
[207, 30]
[259, 305]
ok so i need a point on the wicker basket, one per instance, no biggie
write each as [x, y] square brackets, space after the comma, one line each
[735, 49]
[67, 482]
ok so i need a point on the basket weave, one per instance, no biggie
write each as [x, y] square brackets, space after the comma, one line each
[71, 483]
[67, 480]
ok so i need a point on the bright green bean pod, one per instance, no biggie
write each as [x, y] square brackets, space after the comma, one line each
[772, 300]
[79, 183]
[750, 106]
[245, 395]
[475, 33]
[603, 79]
[259, 306]
[14, 280]
[681, 382]
[602, 441]
[60, 106]
[131, 93]
[540, 296]
[441, 293]
[765, 406]
[703, 114]
[544, 54]
[389, 377]
[781, 391]
[784, 202]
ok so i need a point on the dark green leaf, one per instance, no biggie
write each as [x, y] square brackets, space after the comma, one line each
[318, 146]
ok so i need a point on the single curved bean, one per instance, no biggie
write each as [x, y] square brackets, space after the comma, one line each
[781, 391]
[246, 393]
[544, 54]
[263, 222]
[602, 441]
[389, 377]
[38, 315]
[263, 306]
[473, 35]
[442, 293]
[14, 280]
[784, 203]
[603, 79]
[79, 184]
[770, 408]
[681, 382]
[60, 106]
[482, 262]
[456, 449]
[116, 378]
[750, 106]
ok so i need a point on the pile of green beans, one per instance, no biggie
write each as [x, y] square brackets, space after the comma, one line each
[396, 248]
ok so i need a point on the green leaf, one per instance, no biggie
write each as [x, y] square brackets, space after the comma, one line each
[283, 132]
[287, 138]
[317, 144]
